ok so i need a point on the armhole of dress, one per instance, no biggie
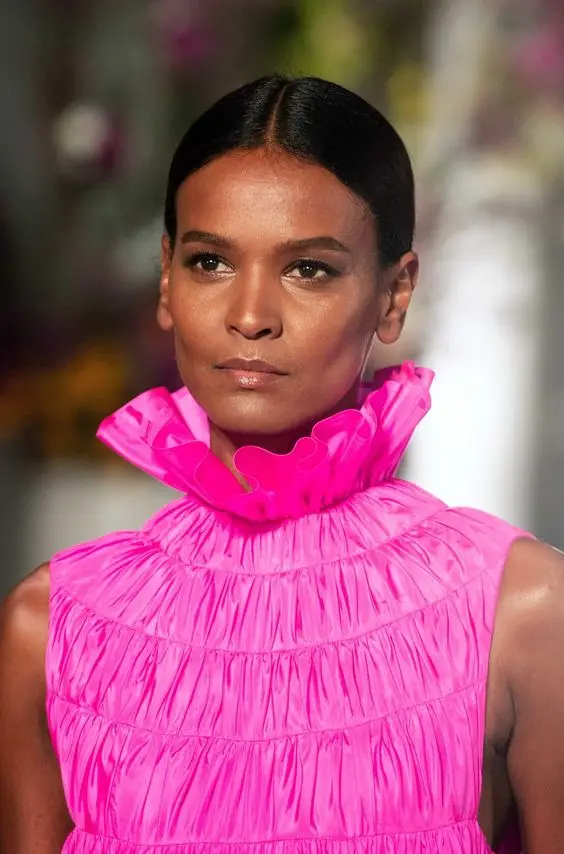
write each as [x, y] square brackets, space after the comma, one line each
[54, 667]
[510, 842]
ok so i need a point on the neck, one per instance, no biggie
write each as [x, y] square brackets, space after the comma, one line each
[224, 444]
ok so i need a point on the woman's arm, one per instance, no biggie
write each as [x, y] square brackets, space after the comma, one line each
[530, 629]
[33, 814]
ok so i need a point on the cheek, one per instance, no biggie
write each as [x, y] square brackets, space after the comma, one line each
[192, 319]
[340, 329]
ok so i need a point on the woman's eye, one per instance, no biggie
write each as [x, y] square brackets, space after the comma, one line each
[309, 270]
[206, 262]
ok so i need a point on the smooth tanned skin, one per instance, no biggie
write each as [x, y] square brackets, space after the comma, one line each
[33, 815]
[242, 283]
[526, 685]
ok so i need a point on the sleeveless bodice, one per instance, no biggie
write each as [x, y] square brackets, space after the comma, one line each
[300, 667]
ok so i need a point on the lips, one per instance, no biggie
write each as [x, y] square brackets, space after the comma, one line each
[251, 366]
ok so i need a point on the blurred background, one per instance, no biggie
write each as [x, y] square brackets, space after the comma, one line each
[94, 95]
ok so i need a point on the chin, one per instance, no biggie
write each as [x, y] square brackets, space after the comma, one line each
[279, 409]
[256, 415]
[252, 420]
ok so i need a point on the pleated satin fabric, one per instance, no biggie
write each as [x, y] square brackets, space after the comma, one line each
[299, 668]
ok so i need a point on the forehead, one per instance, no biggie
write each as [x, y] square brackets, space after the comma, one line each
[272, 195]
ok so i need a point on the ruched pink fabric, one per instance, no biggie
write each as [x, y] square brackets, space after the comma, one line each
[298, 668]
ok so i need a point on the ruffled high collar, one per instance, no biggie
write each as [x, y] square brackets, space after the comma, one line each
[167, 436]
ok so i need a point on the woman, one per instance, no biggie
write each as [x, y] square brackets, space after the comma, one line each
[295, 655]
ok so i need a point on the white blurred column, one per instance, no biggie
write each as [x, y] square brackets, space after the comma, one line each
[476, 446]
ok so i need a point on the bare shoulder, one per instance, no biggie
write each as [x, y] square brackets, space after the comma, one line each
[24, 618]
[33, 589]
[530, 614]
[26, 608]
[529, 637]
[33, 810]
[532, 593]
[532, 564]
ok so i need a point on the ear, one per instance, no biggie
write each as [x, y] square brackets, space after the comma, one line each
[164, 317]
[400, 282]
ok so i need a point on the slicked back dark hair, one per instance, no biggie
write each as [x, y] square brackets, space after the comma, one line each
[318, 122]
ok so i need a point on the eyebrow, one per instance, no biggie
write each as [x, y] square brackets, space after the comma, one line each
[206, 237]
[322, 242]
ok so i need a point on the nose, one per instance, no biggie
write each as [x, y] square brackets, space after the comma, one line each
[254, 311]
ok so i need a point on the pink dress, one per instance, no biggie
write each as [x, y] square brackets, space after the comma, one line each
[295, 669]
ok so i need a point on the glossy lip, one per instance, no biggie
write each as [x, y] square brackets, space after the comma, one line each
[250, 374]
[251, 366]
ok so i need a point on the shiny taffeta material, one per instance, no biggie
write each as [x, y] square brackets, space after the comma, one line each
[298, 668]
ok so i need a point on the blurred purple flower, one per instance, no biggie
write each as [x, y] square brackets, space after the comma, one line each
[186, 39]
[189, 47]
[540, 58]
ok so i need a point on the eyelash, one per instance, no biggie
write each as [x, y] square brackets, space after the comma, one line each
[329, 271]
[320, 266]
[193, 260]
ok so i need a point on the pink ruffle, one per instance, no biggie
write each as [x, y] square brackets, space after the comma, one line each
[167, 436]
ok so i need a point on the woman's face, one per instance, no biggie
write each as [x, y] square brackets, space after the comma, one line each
[274, 292]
